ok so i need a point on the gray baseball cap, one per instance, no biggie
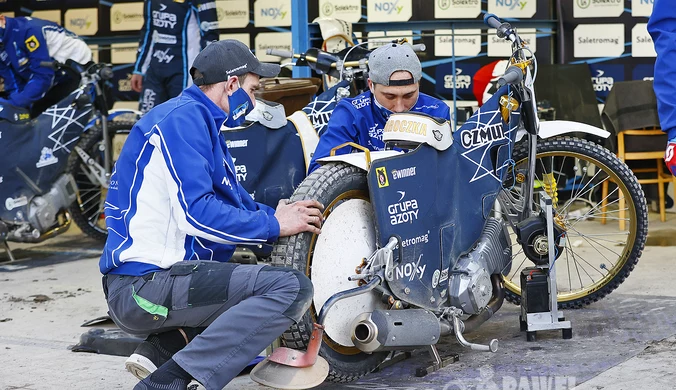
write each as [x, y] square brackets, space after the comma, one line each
[390, 58]
[229, 57]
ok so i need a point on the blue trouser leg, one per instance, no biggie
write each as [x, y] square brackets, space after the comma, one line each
[261, 302]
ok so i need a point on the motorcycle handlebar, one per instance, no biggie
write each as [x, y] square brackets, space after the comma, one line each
[419, 47]
[512, 75]
[492, 21]
[279, 53]
[49, 64]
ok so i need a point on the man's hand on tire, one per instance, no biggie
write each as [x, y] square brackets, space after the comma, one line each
[299, 217]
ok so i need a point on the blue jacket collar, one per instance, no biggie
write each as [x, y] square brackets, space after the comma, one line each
[196, 93]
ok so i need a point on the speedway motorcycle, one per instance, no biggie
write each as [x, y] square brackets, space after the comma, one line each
[57, 165]
[427, 243]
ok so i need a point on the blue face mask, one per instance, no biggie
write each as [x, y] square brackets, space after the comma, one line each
[380, 108]
[240, 106]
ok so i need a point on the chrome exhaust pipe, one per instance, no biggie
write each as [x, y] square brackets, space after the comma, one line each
[386, 330]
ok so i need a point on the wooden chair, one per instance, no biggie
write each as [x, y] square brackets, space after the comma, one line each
[660, 178]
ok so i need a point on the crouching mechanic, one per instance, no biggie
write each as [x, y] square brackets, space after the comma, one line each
[26, 42]
[175, 212]
[662, 28]
[394, 86]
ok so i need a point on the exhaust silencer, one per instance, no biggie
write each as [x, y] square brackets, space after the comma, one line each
[384, 330]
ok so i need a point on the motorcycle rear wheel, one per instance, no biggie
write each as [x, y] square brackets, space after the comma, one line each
[598, 253]
[87, 210]
[331, 185]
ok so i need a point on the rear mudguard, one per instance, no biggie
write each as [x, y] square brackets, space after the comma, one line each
[549, 129]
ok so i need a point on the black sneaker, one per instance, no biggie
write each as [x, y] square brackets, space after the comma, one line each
[147, 357]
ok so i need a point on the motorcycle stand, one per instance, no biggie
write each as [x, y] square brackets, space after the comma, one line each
[539, 289]
[9, 251]
[438, 364]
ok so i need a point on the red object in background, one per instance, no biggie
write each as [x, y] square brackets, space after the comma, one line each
[670, 157]
[485, 80]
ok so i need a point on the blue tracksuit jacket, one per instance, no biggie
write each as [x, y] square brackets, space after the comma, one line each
[174, 193]
[358, 120]
[662, 28]
[27, 42]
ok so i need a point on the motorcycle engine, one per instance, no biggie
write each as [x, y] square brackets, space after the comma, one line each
[470, 285]
[43, 209]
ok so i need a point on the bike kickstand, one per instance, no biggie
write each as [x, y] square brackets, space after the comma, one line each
[9, 251]
[438, 362]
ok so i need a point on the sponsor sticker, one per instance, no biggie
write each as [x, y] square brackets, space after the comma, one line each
[271, 40]
[641, 42]
[512, 8]
[597, 8]
[498, 47]
[457, 9]
[403, 211]
[347, 10]
[381, 174]
[46, 158]
[389, 11]
[126, 17]
[457, 42]
[483, 136]
[402, 173]
[642, 7]
[598, 40]
[12, 203]
[82, 21]
[271, 13]
[410, 270]
[232, 13]
[32, 43]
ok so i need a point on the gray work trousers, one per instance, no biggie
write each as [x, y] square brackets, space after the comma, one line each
[244, 307]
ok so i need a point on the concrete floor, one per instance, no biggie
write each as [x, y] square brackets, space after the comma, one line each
[625, 341]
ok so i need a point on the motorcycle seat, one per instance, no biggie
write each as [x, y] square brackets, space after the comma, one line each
[407, 130]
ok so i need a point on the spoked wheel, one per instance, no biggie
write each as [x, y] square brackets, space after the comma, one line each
[348, 236]
[87, 210]
[601, 218]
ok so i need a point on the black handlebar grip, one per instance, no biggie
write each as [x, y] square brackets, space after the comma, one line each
[279, 53]
[49, 64]
[512, 75]
[106, 73]
[492, 21]
[419, 47]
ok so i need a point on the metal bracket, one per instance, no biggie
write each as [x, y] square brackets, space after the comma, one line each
[553, 319]
[96, 172]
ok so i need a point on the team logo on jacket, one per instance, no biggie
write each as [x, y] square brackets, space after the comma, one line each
[361, 102]
[381, 174]
[32, 43]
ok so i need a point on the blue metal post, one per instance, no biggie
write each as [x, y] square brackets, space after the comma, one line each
[300, 33]
[454, 122]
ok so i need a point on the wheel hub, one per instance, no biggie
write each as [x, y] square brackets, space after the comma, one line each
[532, 235]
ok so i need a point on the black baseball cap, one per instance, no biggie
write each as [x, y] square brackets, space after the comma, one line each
[229, 57]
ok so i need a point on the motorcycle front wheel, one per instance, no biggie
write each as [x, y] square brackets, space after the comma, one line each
[600, 213]
[87, 210]
[348, 236]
